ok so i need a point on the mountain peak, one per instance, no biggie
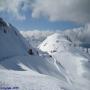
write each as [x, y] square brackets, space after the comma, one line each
[2, 22]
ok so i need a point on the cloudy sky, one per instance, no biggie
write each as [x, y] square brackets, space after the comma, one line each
[46, 14]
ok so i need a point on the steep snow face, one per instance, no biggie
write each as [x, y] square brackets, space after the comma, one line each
[11, 42]
[72, 59]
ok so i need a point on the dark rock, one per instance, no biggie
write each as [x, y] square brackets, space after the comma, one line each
[2, 23]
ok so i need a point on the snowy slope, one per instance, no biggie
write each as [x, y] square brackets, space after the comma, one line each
[11, 43]
[38, 64]
[14, 57]
[58, 65]
[73, 60]
[14, 51]
[30, 81]
[24, 73]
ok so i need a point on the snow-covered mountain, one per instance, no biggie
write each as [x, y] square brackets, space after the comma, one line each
[23, 66]
[75, 62]
[17, 51]
[57, 64]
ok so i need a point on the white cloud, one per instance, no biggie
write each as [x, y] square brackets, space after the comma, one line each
[63, 10]
[12, 6]
[67, 10]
